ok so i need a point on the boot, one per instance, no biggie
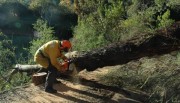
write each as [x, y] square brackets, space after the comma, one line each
[50, 90]
[57, 82]
[51, 77]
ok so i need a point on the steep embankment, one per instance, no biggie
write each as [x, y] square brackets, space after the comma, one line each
[158, 75]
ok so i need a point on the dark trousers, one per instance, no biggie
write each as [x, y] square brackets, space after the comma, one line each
[51, 77]
[52, 73]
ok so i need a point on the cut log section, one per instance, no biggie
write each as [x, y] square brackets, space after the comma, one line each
[39, 78]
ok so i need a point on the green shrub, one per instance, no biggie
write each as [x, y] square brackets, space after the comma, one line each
[43, 34]
[37, 4]
[87, 38]
[137, 25]
[99, 26]
[164, 20]
[7, 58]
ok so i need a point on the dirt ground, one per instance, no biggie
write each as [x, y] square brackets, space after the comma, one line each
[85, 89]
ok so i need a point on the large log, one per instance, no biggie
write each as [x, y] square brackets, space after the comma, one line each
[163, 41]
[28, 69]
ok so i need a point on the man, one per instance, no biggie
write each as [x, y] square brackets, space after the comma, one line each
[47, 56]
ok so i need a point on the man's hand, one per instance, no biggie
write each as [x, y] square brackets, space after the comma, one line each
[69, 60]
[65, 66]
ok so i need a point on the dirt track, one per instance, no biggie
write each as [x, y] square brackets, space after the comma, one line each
[84, 90]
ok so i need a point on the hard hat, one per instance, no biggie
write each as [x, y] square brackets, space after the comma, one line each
[66, 44]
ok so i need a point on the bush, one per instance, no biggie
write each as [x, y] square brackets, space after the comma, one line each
[99, 26]
[43, 34]
[137, 25]
[7, 58]
[87, 37]
[164, 20]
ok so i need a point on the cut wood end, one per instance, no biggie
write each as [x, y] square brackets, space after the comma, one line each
[39, 78]
[40, 74]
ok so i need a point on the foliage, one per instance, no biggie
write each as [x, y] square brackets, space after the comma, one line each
[174, 4]
[48, 10]
[96, 29]
[35, 4]
[89, 7]
[164, 20]
[43, 34]
[17, 17]
[107, 20]
[86, 38]
[136, 25]
[120, 20]
[56, 15]
[7, 57]
[116, 10]
[7, 60]
[114, 15]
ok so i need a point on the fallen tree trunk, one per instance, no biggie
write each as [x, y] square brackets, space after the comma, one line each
[27, 68]
[163, 41]
[123, 53]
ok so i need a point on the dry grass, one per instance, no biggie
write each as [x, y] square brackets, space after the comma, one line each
[159, 76]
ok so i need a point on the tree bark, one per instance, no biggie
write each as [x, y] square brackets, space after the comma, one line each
[28, 69]
[163, 41]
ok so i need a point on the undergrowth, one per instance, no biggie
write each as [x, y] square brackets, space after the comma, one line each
[158, 76]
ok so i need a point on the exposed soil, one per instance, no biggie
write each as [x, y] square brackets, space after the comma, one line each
[85, 89]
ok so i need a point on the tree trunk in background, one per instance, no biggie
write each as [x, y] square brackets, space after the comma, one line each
[163, 41]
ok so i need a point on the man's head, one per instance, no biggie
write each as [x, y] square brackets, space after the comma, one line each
[65, 45]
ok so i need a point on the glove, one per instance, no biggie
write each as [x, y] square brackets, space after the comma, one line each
[65, 66]
[66, 60]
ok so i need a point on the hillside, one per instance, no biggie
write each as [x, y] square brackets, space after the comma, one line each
[97, 86]
[86, 89]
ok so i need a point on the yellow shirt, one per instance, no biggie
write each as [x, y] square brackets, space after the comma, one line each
[52, 51]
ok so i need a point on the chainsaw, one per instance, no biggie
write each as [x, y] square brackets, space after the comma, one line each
[71, 67]
[70, 64]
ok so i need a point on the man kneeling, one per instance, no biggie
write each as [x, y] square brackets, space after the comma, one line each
[47, 56]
